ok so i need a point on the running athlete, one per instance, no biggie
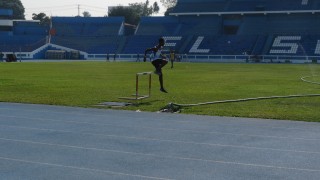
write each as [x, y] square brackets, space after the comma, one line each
[158, 61]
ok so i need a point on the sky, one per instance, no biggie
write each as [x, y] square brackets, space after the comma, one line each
[70, 7]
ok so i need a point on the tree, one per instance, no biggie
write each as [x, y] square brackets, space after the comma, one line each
[86, 14]
[126, 12]
[142, 9]
[169, 4]
[16, 6]
[156, 7]
[42, 17]
[168, 11]
[134, 11]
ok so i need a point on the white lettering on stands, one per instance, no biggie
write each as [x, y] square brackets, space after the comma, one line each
[280, 47]
[317, 51]
[196, 45]
[171, 38]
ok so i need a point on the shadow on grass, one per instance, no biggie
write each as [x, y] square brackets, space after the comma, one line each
[139, 103]
[120, 105]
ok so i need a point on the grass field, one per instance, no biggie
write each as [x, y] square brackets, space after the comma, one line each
[86, 84]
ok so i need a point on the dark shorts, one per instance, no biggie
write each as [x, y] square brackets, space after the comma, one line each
[158, 62]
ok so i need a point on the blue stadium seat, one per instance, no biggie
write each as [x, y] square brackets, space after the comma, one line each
[95, 35]
[137, 44]
[87, 26]
[209, 27]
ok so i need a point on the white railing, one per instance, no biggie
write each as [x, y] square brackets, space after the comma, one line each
[251, 58]
[197, 58]
[216, 58]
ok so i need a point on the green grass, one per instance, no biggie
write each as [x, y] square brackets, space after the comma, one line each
[86, 84]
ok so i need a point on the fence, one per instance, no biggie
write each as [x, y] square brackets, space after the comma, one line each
[216, 58]
[197, 58]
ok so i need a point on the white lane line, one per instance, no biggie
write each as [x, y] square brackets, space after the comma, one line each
[108, 124]
[81, 168]
[168, 157]
[167, 141]
[245, 124]
[171, 129]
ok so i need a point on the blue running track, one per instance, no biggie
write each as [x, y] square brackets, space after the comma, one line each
[53, 142]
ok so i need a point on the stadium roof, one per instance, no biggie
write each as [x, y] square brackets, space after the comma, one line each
[242, 7]
[244, 12]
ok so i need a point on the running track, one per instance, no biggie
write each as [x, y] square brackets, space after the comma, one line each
[52, 142]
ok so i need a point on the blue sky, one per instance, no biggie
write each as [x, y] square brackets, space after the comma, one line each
[70, 7]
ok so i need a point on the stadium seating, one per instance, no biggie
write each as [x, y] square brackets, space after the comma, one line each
[91, 45]
[280, 24]
[207, 25]
[226, 44]
[94, 35]
[30, 28]
[5, 13]
[307, 46]
[137, 44]
[87, 26]
[26, 37]
[19, 35]
[195, 27]
[157, 26]
[241, 5]
[275, 5]
[24, 43]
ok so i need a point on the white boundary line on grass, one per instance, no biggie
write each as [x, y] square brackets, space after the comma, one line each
[307, 81]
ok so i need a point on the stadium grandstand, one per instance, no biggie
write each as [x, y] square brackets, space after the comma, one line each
[200, 30]
[19, 36]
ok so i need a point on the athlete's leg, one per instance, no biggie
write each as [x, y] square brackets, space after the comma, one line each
[161, 84]
[163, 63]
[158, 64]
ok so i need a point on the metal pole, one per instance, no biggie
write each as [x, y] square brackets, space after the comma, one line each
[137, 86]
[20, 53]
[78, 9]
[149, 85]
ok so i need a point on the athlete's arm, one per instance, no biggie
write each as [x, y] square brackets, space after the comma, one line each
[147, 50]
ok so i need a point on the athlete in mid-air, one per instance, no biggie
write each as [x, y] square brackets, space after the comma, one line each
[158, 61]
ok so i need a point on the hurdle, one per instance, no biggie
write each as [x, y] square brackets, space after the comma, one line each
[137, 96]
